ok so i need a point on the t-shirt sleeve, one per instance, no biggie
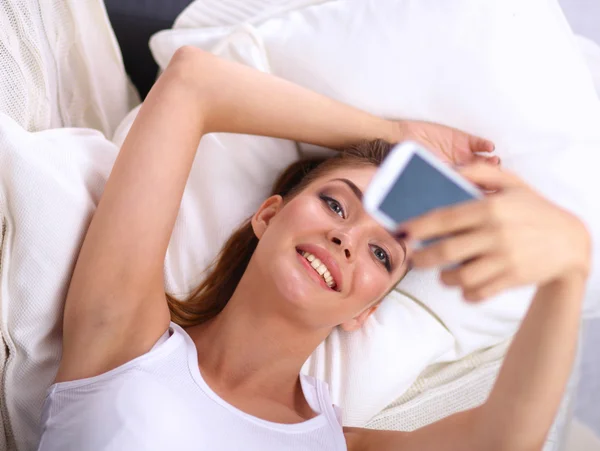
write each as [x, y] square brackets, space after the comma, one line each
[338, 413]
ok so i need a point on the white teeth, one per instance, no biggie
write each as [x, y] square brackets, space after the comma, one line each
[319, 267]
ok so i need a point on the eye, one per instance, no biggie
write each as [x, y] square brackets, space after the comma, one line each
[334, 205]
[383, 257]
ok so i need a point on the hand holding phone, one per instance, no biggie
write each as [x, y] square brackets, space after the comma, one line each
[411, 182]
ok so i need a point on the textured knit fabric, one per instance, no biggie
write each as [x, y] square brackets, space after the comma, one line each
[60, 66]
[160, 401]
[445, 389]
[3, 345]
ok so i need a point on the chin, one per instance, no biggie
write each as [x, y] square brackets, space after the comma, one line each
[295, 290]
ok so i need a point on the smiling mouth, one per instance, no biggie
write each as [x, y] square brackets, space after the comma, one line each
[318, 269]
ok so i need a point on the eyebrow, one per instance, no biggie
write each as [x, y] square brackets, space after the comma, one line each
[355, 189]
[359, 194]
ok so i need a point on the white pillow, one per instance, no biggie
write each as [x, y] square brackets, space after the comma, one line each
[472, 65]
[50, 184]
[60, 66]
[530, 93]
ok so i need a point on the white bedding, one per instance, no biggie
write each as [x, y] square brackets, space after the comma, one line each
[54, 179]
[60, 66]
[530, 93]
[50, 184]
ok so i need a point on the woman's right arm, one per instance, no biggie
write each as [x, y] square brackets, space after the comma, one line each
[516, 238]
[531, 384]
[523, 403]
[116, 308]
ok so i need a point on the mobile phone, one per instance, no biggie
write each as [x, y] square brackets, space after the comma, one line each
[412, 181]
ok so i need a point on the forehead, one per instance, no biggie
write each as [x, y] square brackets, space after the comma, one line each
[360, 176]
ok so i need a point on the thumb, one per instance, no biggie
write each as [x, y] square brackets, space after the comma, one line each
[490, 177]
[477, 144]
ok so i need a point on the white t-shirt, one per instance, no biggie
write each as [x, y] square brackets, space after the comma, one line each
[159, 401]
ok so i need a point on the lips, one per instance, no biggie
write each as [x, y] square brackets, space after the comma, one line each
[327, 259]
[313, 274]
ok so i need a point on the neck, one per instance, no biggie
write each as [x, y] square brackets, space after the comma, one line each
[248, 347]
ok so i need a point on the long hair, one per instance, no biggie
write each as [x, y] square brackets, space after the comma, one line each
[224, 275]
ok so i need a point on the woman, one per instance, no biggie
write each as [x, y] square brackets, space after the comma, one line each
[309, 260]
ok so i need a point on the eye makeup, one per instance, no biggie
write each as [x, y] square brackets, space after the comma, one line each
[338, 208]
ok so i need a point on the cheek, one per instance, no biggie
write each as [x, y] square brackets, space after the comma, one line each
[370, 283]
[303, 214]
[300, 220]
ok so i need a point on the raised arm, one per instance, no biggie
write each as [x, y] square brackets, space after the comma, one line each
[116, 308]
[511, 239]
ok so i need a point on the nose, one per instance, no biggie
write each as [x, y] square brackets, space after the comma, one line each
[343, 240]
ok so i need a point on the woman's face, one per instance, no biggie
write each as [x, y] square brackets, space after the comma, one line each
[361, 260]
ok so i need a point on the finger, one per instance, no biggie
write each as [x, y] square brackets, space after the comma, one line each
[490, 177]
[495, 160]
[446, 221]
[488, 289]
[474, 273]
[477, 144]
[456, 249]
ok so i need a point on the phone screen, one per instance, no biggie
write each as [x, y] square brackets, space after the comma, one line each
[421, 188]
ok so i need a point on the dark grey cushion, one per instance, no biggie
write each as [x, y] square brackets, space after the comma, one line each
[134, 21]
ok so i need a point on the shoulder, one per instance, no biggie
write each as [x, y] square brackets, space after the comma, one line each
[118, 413]
[123, 401]
[170, 347]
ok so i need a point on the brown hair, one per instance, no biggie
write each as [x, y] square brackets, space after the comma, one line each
[225, 273]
